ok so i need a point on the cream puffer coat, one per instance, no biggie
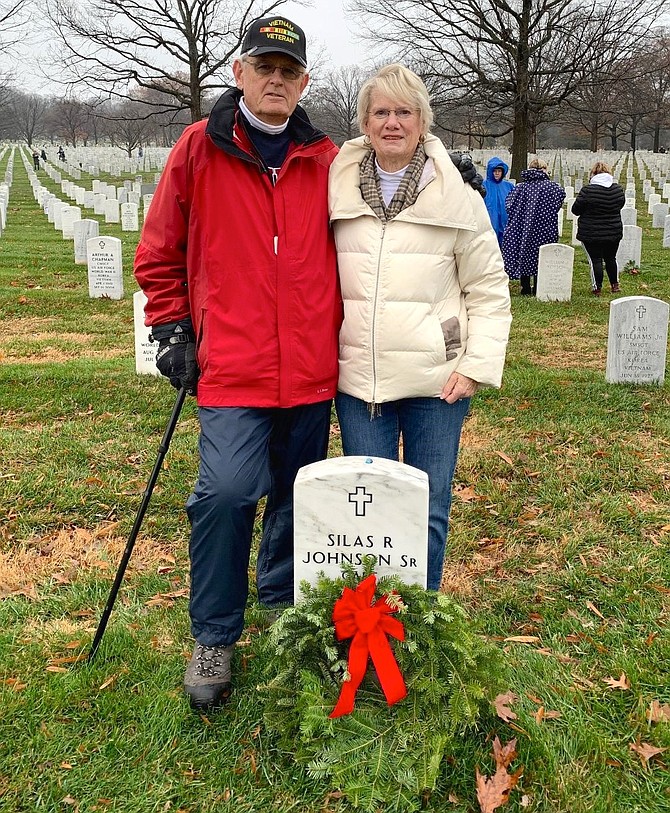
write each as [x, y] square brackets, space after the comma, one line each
[424, 294]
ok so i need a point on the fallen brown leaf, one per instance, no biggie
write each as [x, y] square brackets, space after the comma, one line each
[494, 791]
[594, 609]
[501, 704]
[505, 457]
[621, 683]
[659, 713]
[646, 751]
[522, 639]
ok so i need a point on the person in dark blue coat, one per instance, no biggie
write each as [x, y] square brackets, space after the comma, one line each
[497, 189]
[532, 208]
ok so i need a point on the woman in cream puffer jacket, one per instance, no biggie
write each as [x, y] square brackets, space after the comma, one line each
[426, 297]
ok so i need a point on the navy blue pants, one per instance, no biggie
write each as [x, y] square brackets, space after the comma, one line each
[245, 454]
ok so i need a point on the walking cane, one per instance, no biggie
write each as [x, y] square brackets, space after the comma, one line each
[130, 544]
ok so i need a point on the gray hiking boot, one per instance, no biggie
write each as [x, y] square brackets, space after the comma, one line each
[208, 677]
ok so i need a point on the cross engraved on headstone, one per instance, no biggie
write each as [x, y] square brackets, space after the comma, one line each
[361, 498]
[640, 311]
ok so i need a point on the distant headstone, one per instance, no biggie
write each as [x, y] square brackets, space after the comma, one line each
[574, 241]
[105, 268]
[630, 247]
[347, 507]
[560, 222]
[147, 189]
[99, 200]
[67, 219]
[83, 230]
[666, 232]
[636, 340]
[653, 200]
[130, 217]
[659, 213]
[145, 351]
[112, 211]
[629, 216]
[554, 273]
[146, 203]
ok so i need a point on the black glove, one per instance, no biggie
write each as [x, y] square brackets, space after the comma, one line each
[463, 163]
[175, 358]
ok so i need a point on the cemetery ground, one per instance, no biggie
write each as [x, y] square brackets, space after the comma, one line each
[558, 551]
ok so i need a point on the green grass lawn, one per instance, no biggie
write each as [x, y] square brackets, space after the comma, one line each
[559, 540]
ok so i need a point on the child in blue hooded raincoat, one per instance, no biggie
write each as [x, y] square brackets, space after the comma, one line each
[497, 189]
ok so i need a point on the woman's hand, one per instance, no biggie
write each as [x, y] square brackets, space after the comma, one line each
[457, 387]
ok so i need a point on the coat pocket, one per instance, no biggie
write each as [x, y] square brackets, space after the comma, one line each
[451, 330]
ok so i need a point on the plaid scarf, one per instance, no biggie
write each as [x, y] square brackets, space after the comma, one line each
[406, 194]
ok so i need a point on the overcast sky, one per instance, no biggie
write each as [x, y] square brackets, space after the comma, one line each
[330, 37]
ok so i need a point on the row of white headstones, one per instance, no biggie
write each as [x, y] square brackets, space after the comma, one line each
[349, 507]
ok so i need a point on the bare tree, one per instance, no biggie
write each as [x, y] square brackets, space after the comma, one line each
[12, 20]
[28, 111]
[331, 104]
[176, 48]
[519, 57]
[69, 120]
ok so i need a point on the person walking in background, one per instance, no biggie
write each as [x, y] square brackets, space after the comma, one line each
[599, 228]
[426, 299]
[497, 190]
[532, 210]
[237, 261]
[36, 160]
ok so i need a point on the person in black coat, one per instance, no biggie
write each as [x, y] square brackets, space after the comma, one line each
[599, 228]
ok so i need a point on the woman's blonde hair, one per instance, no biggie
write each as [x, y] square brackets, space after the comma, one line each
[403, 86]
[600, 166]
[538, 163]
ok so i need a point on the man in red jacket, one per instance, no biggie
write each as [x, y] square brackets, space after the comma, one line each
[237, 261]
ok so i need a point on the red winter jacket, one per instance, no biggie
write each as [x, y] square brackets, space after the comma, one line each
[253, 264]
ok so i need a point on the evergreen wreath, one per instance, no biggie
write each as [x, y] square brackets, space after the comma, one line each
[391, 758]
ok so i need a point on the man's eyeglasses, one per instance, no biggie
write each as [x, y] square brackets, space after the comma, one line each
[266, 69]
[402, 113]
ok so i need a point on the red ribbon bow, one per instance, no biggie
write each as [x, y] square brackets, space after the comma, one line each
[369, 624]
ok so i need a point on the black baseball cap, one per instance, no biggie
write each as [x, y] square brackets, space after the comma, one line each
[271, 35]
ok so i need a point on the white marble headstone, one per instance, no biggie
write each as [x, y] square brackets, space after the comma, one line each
[129, 217]
[69, 214]
[666, 232]
[659, 213]
[83, 230]
[112, 211]
[347, 507]
[636, 340]
[554, 272]
[145, 351]
[105, 269]
[629, 216]
[630, 247]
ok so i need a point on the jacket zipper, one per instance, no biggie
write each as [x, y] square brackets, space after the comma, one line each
[372, 406]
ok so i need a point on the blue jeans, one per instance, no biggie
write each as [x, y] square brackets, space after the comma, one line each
[246, 453]
[431, 432]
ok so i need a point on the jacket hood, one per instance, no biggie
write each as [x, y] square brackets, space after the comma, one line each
[534, 175]
[493, 164]
[222, 119]
[443, 200]
[602, 179]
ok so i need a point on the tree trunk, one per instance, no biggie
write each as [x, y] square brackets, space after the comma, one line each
[521, 130]
[594, 135]
[657, 136]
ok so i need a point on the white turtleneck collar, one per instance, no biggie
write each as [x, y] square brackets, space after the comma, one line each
[264, 127]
